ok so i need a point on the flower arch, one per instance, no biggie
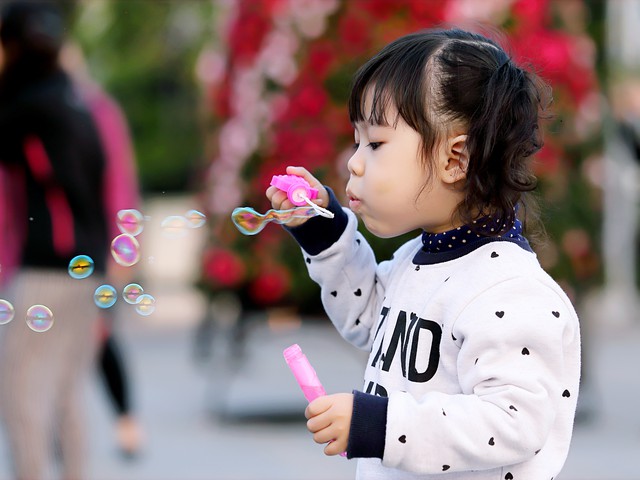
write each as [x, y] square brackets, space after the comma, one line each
[277, 82]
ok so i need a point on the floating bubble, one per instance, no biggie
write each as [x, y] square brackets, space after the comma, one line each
[105, 296]
[250, 222]
[146, 304]
[80, 266]
[125, 250]
[131, 293]
[130, 221]
[195, 218]
[174, 226]
[7, 312]
[39, 318]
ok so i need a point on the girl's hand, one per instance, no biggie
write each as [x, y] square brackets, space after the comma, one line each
[279, 199]
[329, 419]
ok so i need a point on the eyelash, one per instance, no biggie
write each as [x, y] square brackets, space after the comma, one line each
[373, 145]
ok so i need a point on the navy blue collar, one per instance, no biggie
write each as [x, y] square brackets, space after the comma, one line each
[445, 246]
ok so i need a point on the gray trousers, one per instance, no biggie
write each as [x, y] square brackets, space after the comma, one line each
[42, 375]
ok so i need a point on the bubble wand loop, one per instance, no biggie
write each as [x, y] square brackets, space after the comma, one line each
[250, 222]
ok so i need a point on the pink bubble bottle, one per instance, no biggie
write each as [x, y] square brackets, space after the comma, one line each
[304, 372]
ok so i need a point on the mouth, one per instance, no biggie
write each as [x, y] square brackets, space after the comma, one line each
[354, 202]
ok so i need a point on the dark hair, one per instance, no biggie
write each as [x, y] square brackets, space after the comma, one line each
[34, 27]
[441, 78]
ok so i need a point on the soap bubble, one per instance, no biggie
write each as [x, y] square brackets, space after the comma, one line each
[146, 304]
[125, 250]
[174, 226]
[130, 221]
[195, 218]
[39, 318]
[131, 293]
[80, 266]
[7, 312]
[105, 296]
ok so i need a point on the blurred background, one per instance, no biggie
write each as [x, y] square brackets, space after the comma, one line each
[220, 95]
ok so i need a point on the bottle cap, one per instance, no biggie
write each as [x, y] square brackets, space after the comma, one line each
[292, 352]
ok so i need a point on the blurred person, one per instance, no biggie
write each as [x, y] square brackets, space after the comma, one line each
[51, 150]
[474, 362]
[122, 191]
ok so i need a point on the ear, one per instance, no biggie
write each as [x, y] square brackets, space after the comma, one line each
[456, 159]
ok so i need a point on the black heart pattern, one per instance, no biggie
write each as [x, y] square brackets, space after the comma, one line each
[334, 293]
[417, 268]
[511, 407]
[444, 413]
[566, 394]
[500, 314]
[525, 351]
[556, 314]
[358, 241]
[402, 439]
[494, 255]
[308, 260]
[447, 279]
[357, 321]
[454, 338]
[357, 293]
[492, 442]
[508, 476]
[445, 467]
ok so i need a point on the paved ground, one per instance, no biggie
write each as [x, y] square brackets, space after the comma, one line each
[236, 416]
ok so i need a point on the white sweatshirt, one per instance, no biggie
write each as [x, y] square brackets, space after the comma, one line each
[478, 353]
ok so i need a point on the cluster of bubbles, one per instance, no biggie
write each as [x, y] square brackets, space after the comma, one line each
[177, 226]
[106, 296]
[125, 250]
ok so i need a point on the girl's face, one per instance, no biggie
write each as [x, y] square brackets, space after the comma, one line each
[387, 181]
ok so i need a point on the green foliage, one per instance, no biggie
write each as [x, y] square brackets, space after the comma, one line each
[144, 54]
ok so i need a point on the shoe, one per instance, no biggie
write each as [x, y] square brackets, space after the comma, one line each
[129, 437]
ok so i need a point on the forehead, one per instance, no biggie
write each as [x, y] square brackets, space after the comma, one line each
[376, 107]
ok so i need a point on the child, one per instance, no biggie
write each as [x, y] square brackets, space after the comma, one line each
[474, 350]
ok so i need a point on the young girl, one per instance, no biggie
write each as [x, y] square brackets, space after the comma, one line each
[475, 350]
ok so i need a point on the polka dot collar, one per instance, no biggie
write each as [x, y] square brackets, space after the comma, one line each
[463, 236]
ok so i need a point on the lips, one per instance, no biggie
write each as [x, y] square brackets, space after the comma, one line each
[354, 202]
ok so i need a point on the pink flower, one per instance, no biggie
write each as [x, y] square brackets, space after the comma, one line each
[309, 100]
[247, 34]
[354, 34]
[223, 268]
[531, 14]
[271, 285]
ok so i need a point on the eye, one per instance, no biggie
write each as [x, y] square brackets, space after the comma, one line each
[375, 145]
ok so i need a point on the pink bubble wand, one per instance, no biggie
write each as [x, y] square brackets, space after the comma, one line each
[299, 192]
[305, 374]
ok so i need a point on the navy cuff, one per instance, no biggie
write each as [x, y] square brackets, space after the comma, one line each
[368, 426]
[319, 233]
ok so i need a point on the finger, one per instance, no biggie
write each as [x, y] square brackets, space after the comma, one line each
[335, 448]
[271, 191]
[317, 423]
[279, 200]
[304, 173]
[317, 406]
[323, 436]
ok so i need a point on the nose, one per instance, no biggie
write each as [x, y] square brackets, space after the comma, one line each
[355, 164]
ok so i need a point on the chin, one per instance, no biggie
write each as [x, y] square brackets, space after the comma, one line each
[382, 231]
